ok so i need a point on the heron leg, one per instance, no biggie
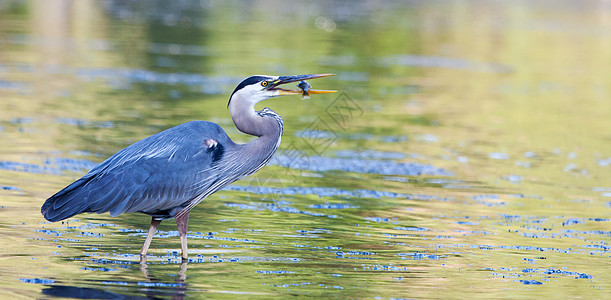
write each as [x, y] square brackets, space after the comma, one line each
[182, 221]
[149, 238]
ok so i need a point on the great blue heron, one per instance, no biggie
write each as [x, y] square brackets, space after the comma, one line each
[167, 174]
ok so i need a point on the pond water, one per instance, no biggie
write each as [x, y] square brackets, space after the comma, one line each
[467, 153]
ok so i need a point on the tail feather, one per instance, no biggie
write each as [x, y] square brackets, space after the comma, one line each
[70, 201]
[95, 192]
[77, 205]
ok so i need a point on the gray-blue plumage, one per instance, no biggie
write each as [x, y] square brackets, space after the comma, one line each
[158, 175]
[167, 174]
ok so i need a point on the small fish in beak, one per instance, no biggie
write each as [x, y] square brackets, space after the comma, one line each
[305, 87]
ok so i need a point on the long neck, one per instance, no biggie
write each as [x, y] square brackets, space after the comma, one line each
[266, 124]
[247, 120]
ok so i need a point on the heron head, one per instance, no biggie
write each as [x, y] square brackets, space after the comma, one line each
[257, 88]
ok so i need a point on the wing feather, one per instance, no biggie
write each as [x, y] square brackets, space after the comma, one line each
[154, 176]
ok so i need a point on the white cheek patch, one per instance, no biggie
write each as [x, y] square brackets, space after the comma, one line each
[210, 143]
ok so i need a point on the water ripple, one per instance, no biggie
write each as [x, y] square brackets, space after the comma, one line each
[373, 166]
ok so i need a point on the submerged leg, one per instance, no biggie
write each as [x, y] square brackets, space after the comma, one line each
[149, 237]
[182, 221]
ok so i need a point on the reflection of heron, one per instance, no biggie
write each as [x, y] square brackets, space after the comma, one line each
[155, 287]
[167, 174]
[178, 288]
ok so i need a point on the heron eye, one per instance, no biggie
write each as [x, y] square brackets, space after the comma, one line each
[264, 83]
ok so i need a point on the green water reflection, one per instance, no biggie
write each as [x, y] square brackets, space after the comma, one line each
[509, 100]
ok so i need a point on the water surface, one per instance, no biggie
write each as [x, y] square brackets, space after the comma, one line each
[467, 154]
